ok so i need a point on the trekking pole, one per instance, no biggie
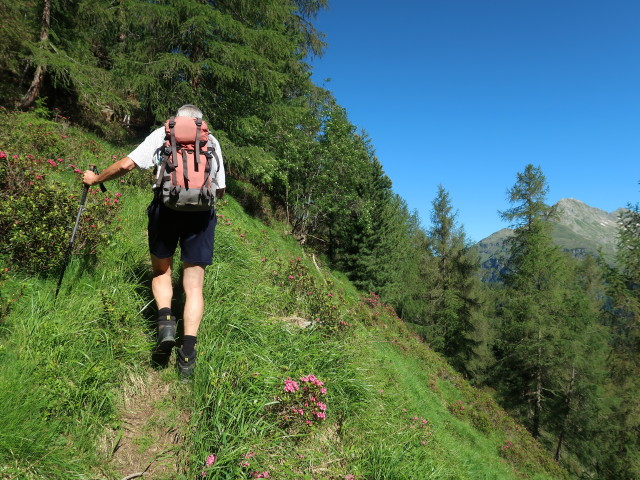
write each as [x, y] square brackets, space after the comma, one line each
[83, 199]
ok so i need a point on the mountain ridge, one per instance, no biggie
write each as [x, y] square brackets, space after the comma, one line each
[579, 229]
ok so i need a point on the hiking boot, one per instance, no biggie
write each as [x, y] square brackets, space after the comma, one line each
[185, 365]
[166, 336]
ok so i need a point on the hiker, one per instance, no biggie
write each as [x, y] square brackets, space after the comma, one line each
[170, 224]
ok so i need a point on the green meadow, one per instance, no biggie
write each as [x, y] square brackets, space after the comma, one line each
[81, 398]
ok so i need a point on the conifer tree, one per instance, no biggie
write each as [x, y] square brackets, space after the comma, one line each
[550, 349]
[451, 292]
[19, 27]
[622, 315]
[578, 405]
[235, 59]
[531, 321]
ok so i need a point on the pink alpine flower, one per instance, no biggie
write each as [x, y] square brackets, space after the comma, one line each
[291, 385]
[210, 460]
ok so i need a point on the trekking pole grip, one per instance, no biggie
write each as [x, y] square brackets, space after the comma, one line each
[95, 170]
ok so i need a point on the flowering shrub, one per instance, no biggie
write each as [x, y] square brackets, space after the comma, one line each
[37, 214]
[302, 401]
[306, 297]
[377, 307]
[512, 453]
[457, 408]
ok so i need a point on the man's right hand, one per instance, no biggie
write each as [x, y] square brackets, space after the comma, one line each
[89, 178]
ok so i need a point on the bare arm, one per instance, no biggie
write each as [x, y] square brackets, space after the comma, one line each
[115, 170]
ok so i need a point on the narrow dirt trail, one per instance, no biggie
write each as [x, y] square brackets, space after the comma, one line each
[149, 442]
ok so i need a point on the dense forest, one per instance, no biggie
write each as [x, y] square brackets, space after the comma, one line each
[557, 339]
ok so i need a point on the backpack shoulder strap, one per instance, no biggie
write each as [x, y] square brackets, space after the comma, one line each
[174, 148]
[211, 150]
[167, 156]
[198, 127]
[172, 140]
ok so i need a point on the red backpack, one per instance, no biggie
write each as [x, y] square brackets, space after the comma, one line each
[184, 180]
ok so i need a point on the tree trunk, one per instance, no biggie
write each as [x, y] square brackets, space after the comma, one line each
[38, 77]
[537, 408]
[564, 420]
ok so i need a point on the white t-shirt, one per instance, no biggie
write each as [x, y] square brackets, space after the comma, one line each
[147, 155]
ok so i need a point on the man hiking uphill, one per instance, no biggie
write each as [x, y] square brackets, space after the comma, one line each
[190, 176]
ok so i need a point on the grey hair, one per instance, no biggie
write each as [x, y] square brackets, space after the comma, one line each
[189, 111]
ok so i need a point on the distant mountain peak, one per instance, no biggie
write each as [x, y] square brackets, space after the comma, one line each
[592, 223]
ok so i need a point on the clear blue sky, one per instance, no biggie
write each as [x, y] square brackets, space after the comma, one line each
[465, 93]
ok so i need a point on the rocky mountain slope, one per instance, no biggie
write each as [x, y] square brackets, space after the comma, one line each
[578, 228]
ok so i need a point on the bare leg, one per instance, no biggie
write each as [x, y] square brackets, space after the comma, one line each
[192, 281]
[161, 283]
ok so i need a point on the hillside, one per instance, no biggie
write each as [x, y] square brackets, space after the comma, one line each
[578, 229]
[91, 406]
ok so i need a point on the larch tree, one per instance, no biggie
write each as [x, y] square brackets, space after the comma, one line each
[531, 315]
[452, 290]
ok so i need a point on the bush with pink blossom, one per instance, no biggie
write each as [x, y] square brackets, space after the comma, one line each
[319, 302]
[303, 402]
[37, 214]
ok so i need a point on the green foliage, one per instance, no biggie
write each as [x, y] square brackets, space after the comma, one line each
[37, 206]
[550, 350]
[18, 26]
[528, 196]
[305, 295]
[105, 61]
[450, 286]
[622, 314]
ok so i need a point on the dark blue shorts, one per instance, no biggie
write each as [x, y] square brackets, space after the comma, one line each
[194, 230]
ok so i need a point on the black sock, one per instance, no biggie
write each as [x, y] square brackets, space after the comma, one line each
[163, 313]
[188, 345]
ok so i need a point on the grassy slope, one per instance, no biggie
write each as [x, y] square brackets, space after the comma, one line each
[395, 409]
